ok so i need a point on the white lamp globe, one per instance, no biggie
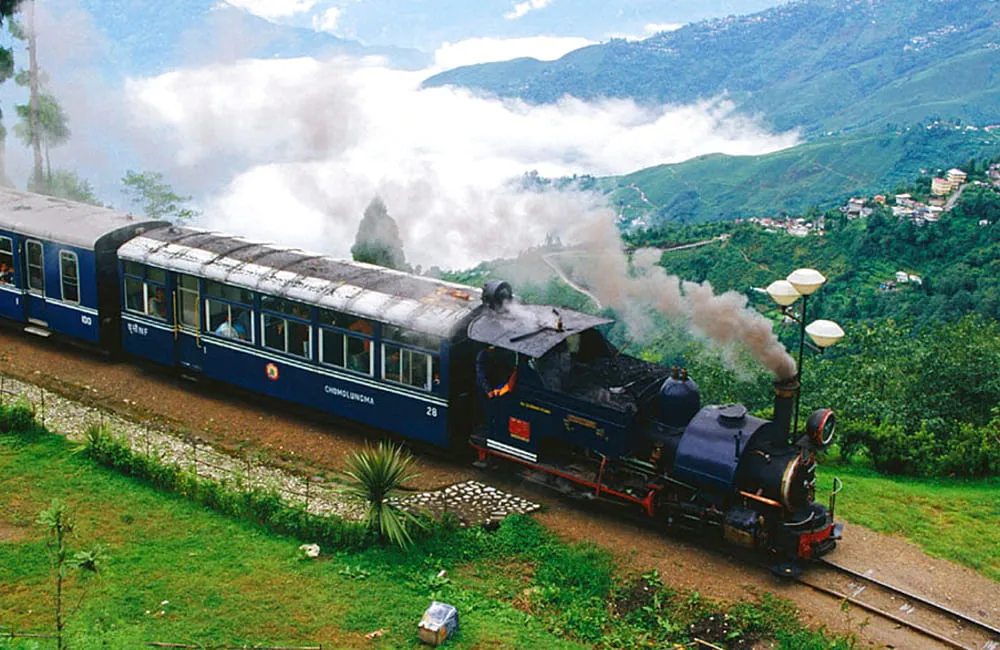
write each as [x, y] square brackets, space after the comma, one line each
[806, 281]
[824, 333]
[782, 292]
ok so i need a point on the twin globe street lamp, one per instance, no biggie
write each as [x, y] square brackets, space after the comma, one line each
[802, 283]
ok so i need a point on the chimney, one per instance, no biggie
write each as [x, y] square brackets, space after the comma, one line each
[785, 392]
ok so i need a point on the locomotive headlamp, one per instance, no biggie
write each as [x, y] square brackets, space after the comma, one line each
[824, 333]
[821, 426]
[806, 281]
[782, 292]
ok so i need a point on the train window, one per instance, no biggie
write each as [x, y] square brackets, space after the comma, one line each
[228, 320]
[226, 292]
[411, 338]
[69, 272]
[36, 267]
[187, 286]
[349, 348]
[409, 367]
[6, 260]
[287, 335]
[145, 290]
[346, 351]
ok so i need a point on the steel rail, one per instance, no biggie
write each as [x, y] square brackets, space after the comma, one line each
[909, 597]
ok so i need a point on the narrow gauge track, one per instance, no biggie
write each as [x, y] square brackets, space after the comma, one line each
[923, 616]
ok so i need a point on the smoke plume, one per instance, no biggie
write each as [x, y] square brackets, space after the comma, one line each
[724, 319]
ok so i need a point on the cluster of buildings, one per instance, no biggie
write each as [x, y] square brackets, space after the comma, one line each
[902, 278]
[797, 227]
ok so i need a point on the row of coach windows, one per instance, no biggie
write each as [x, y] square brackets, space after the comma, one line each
[341, 340]
[69, 269]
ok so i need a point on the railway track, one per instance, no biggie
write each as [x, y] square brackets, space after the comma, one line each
[921, 615]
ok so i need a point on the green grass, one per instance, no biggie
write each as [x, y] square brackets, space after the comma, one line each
[958, 520]
[224, 581]
[181, 573]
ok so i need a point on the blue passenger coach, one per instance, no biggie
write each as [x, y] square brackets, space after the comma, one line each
[371, 344]
[58, 265]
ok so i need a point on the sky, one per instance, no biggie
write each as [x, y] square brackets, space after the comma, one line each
[292, 151]
[428, 24]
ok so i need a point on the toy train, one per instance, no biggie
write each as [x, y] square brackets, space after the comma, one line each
[429, 360]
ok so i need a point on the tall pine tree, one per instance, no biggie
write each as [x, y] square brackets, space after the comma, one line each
[378, 241]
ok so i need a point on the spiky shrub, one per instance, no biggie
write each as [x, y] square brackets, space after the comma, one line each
[377, 474]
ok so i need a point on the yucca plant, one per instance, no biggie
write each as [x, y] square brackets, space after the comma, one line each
[378, 473]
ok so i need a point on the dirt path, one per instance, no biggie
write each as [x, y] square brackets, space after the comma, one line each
[282, 432]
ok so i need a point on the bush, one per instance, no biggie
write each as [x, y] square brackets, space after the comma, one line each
[18, 418]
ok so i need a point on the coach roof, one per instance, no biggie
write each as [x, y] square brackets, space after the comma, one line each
[62, 221]
[389, 296]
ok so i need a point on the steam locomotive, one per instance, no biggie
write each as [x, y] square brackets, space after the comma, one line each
[432, 361]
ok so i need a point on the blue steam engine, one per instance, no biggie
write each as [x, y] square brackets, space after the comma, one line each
[592, 423]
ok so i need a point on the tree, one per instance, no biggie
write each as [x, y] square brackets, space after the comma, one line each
[7, 9]
[377, 474]
[68, 185]
[378, 241]
[57, 521]
[53, 130]
[156, 199]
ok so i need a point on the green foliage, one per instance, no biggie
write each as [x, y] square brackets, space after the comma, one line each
[378, 241]
[378, 474]
[155, 198]
[18, 418]
[68, 185]
[53, 123]
[59, 526]
[919, 402]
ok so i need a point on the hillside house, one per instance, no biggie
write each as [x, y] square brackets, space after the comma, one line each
[942, 186]
[957, 177]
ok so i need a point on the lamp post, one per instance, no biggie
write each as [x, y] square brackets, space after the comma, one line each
[802, 283]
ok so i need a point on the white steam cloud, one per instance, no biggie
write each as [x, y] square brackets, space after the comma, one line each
[327, 136]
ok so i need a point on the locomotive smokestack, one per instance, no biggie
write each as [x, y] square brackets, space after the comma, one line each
[785, 391]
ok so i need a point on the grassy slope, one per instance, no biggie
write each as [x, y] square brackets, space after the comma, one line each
[225, 582]
[952, 519]
[823, 172]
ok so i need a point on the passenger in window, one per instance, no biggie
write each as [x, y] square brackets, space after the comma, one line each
[158, 304]
[230, 331]
[361, 326]
[6, 274]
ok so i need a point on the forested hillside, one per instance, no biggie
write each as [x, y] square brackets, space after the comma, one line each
[819, 65]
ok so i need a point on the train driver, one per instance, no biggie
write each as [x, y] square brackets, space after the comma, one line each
[496, 371]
